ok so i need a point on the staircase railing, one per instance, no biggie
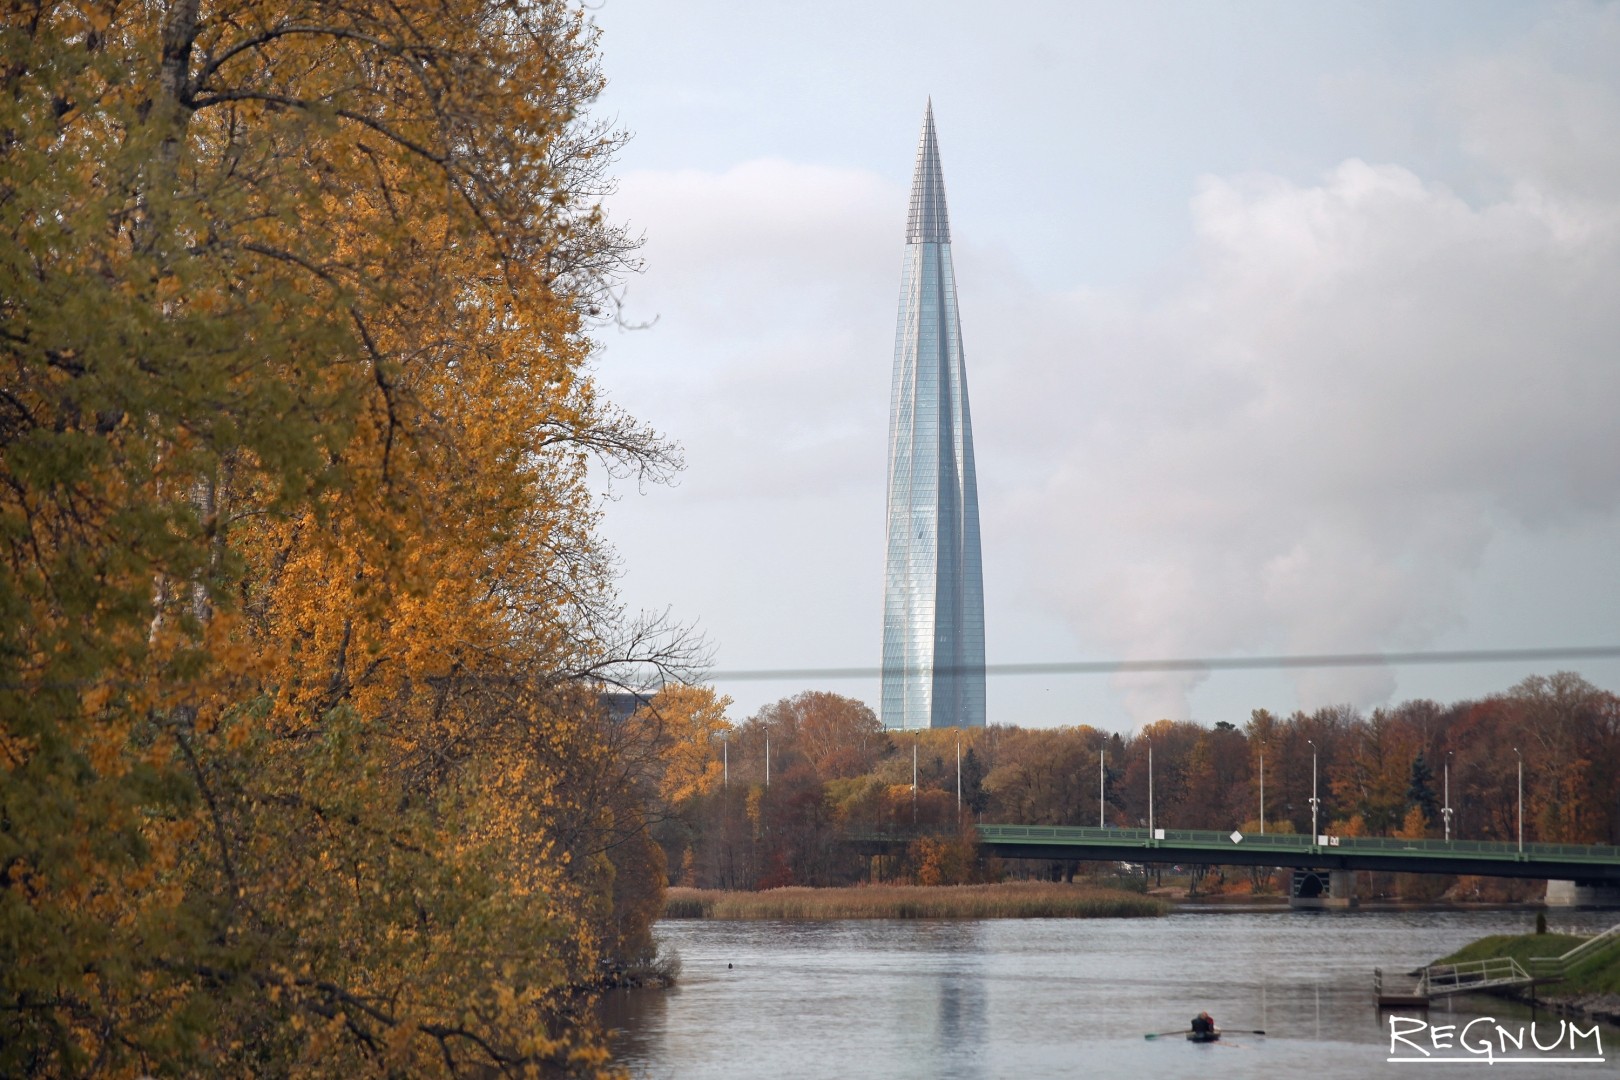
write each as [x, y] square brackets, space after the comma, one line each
[1555, 967]
[1439, 979]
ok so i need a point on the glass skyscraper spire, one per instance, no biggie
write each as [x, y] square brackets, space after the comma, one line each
[933, 588]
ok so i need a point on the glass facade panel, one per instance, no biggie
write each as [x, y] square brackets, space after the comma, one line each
[933, 603]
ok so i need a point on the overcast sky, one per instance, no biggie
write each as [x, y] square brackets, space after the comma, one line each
[1290, 328]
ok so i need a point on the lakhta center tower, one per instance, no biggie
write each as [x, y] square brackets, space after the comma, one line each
[933, 587]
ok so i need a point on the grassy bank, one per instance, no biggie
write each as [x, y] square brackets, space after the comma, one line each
[1598, 974]
[1008, 900]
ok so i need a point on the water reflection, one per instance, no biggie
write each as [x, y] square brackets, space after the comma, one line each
[635, 1017]
[962, 1031]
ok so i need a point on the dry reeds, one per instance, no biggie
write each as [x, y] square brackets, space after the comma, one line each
[1007, 900]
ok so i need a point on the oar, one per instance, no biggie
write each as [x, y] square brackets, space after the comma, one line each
[1241, 1031]
[1162, 1034]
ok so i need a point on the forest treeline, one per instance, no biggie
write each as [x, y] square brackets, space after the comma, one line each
[304, 622]
[835, 773]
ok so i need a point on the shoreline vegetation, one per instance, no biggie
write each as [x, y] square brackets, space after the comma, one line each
[1004, 900]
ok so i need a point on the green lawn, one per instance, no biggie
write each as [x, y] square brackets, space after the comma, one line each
[1599, 973]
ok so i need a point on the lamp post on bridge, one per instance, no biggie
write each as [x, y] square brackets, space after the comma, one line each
[1151, 834]
[1445, 811]
[959, 778]
[1262, 791]
[1316, 836]
[1102, 783]
[1521, 798]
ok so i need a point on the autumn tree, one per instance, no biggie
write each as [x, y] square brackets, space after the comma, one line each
[302, 611]
[682, 723]
[1371, 779]
[839, 736]
[974, 797]
[1046, 776]
[684, 727]
[1571, 744]
[1219, 770]
[1420, 793]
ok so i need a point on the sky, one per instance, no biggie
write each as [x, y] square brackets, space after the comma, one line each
[1290, 328]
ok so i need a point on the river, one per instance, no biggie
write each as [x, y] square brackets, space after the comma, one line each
[1064, 997]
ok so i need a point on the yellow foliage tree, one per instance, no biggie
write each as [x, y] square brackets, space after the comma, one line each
[302, 608]
[682, 722]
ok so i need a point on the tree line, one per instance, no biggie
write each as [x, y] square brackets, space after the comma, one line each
[834, 773]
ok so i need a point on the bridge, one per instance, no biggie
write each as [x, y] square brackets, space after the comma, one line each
[1587, 863]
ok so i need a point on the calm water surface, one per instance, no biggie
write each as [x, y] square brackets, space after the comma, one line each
[1057, 997]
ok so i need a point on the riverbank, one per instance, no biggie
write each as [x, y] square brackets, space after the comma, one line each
[1005, 900]
[1590, 988]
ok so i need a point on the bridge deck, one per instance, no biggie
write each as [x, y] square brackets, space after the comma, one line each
[1576, 862]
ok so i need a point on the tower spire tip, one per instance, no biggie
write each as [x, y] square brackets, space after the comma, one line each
[928, 222]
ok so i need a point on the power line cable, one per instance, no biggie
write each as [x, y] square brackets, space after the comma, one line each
[1206, 663]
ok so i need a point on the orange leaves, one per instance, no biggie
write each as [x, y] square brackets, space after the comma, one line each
[682, 723]
[106, 746]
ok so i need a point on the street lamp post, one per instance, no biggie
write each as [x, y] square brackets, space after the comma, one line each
[1445, 811]
[767, 759]
[959, 776]
[1521, 798]
[1151, 833]
[1316, 836]
[916, 740]
[725, 798]
[1102, 781]
[1262, 792]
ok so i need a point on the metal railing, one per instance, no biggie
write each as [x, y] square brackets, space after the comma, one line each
[1556, 967]
[1440, 979]
[1080, 835]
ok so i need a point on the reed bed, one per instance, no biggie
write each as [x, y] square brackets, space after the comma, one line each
[1007, 900]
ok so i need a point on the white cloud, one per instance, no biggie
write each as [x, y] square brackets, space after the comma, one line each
[1307, 443]
[1547, 114]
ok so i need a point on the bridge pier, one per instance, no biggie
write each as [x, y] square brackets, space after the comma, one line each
[1588, 894]
[1342, 889]
[1315, 889]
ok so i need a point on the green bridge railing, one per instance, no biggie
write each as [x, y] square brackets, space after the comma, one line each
[1206, 839]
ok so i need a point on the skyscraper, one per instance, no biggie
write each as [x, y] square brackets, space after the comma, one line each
[933, 587]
